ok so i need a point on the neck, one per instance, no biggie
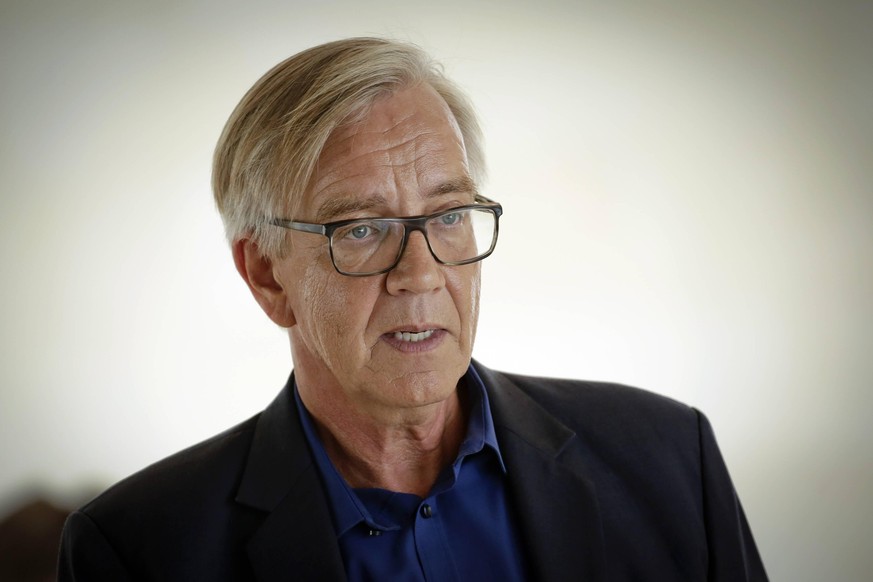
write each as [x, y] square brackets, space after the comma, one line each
[402, 451]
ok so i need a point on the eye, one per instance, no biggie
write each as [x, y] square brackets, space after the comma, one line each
[360, 231]
[450, 218]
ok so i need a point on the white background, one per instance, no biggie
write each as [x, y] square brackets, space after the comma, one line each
[688, 202]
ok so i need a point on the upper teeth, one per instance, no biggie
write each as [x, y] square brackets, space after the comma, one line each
[412, 336]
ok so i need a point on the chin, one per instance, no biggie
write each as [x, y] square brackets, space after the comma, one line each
[414, 389]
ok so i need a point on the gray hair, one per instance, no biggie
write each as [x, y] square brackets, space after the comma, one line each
[268, 151]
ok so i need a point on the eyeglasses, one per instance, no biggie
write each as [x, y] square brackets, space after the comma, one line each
[371, 246]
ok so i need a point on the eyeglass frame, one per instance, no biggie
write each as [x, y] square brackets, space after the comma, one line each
[410, 224]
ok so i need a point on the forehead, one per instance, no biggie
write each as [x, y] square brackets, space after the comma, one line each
[407, 146]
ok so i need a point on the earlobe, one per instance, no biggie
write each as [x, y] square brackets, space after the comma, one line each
[258, 273]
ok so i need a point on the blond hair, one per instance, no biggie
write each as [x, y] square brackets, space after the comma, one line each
[269, 148]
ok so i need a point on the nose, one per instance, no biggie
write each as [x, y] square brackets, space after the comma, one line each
[417, 271]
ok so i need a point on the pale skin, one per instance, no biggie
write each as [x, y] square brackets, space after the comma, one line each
[388, 411]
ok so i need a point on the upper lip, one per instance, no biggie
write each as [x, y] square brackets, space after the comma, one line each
[414, 328]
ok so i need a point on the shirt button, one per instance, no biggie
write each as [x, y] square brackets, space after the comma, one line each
[426, 511]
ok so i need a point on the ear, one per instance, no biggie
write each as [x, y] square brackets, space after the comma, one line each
[258, 273]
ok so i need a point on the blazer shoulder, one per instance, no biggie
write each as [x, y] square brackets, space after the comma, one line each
[567, 399]
[606, 416]
[215, 464]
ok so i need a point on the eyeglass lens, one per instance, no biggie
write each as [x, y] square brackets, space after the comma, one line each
[372, 245]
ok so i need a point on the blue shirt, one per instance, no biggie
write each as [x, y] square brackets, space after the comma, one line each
[464, 529]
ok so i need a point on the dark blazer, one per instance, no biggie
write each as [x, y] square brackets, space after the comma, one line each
[609, 483]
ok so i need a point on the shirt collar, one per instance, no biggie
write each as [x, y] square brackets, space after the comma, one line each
[348, 510]
[480, 427]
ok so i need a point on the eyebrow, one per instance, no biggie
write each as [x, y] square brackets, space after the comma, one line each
[462, 184]
[339, 206]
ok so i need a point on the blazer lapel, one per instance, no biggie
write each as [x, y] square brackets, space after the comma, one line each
[296, 540]
[555, 501]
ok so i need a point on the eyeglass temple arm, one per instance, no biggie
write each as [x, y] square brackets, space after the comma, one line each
[496, 207]
[304, 226]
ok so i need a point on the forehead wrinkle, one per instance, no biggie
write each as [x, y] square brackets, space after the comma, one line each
[339, 196]
[383, 155]
[347, 134]
[461, 184]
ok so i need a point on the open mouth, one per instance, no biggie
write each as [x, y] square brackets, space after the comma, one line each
[412, 336]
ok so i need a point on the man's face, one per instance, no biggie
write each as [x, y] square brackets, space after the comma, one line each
[405, 158]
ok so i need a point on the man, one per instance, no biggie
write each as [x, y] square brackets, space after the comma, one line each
[347, 179]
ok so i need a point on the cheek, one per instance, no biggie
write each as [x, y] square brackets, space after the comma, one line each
[466, 295]
[336, 310]
[319, 301]
[474, 300]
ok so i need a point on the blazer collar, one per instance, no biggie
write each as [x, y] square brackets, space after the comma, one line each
[296, 540]
[555, 500]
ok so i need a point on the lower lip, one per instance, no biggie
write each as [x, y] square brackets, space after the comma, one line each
[415, 347]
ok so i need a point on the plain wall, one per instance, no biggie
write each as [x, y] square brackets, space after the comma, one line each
[687, 208]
